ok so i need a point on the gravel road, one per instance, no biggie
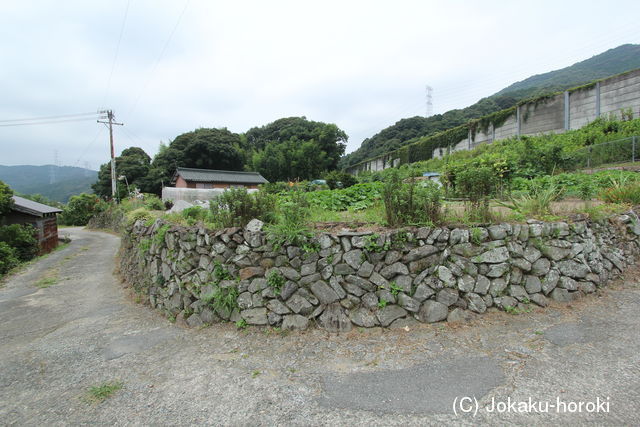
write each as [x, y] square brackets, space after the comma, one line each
[67, 324]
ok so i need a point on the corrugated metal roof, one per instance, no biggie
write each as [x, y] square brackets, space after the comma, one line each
[210, 175]
[32, 208]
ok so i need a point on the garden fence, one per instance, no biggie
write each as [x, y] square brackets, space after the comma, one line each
[624, 150]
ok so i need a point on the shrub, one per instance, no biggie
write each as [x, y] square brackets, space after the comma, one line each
[6, 200]
[140, 213]
[339, 179]
[114, 218]
[81, 208]
[536, 202]
[290, 226]
[22, 239]
[356, 197]
[275, 187]
[410, 203]
[8, 258]
[629, 193]
[153, 203]
[194, 213]
[477, 184]
[236, 207]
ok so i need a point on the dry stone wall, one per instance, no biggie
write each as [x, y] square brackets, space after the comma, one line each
[338, 281]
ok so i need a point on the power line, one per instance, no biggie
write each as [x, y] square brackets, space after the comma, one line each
[115, 58]
[95, 138]
[47, 122]
[60, 116]
[155, 65]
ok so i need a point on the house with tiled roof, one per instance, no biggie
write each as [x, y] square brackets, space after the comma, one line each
[209, 178]
[191, 184]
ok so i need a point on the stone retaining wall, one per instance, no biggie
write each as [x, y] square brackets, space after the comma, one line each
[366, 279]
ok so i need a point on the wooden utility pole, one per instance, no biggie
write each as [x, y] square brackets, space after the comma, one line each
[111, 121]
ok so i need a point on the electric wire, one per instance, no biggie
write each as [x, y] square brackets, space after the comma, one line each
[115, 58]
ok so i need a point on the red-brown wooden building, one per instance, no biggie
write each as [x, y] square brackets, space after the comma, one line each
[42, 217]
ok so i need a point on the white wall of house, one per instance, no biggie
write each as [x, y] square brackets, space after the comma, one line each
[192, 194]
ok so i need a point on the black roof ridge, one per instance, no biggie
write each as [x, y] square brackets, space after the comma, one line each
[217, 170]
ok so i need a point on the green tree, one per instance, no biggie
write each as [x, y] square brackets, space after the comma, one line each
[133, 164]
[294, 148]
[329, 139]
[81, 208]
[6, 198]
[202, 148]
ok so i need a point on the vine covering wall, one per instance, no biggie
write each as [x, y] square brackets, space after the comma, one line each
[365, 279]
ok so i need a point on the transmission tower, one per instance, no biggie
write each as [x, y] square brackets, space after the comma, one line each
[429, 101]
[52, 169]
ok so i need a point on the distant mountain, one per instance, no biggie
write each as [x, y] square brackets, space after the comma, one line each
[614, 61]
[54, 182]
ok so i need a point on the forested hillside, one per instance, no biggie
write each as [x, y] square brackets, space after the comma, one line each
[291, 148]
[613, 61]
[57, 183]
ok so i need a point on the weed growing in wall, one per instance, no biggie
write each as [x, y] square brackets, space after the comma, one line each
[276, 281]
[371, 243]
[144, 246]
[220, 273]
[158, 239]
[222, 299]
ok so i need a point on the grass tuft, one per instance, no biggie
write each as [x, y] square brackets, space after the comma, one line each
[98, 394]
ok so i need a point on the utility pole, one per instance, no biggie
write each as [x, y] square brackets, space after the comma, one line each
[111, 117]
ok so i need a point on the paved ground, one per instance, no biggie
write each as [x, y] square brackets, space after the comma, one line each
[84, 330]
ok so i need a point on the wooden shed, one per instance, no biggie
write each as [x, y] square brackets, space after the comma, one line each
[42, 217]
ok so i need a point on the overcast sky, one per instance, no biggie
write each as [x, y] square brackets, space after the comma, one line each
[168, 67]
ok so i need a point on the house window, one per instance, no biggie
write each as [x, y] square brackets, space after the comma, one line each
[236, 186]
[204, 185]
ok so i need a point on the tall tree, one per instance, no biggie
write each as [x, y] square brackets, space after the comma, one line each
[133, 164]
[202, 148]
[299, 147]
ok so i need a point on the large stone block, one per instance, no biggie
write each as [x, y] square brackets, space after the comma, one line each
[433, 311]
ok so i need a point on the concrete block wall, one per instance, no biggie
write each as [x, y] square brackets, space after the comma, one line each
[508, 129]
[542, 117]
[621, 92]
[582, 107]
[482, 137]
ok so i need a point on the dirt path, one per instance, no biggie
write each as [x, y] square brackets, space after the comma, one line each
[82, 331]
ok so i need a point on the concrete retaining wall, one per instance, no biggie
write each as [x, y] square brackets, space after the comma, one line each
[570, 110]
[340, 280]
